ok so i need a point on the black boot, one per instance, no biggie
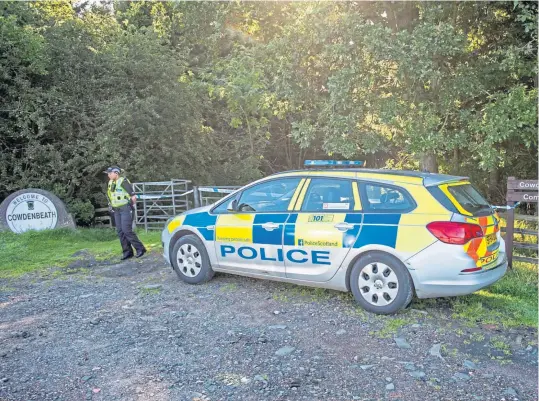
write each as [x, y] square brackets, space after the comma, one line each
[141, 253]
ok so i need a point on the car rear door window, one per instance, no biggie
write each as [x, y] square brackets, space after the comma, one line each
[386, 199]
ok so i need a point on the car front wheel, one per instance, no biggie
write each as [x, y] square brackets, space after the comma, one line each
[190, 260]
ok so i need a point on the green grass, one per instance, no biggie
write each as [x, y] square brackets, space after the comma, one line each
[150, 291]
[501, 345]
[391, 327]
[35, 250]
[231, 287]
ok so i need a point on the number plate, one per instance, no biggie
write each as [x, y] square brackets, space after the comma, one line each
[491, 239]
[489, 262]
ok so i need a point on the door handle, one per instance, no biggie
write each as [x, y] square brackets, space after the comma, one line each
[270, 226]
[344, 226]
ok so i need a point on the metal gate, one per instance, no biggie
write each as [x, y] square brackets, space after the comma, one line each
[207, 195]
[158, 201]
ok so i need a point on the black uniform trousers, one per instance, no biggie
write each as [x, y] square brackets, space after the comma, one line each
[124, 226]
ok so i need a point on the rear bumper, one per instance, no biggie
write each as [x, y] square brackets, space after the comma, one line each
[439, 277]
[462, 284]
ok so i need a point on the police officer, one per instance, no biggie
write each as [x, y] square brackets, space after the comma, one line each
[121, 195]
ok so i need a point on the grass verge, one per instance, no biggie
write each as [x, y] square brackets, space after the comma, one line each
[34, 250]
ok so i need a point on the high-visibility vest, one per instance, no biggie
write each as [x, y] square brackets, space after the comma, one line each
[118, 196]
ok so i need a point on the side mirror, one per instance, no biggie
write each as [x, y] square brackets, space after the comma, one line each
[232, 206]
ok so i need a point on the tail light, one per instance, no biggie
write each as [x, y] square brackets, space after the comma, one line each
[452, 232]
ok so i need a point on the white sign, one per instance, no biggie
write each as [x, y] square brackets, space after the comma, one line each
[331, 206]
[525, 184]
[531, 197]
[31, 211]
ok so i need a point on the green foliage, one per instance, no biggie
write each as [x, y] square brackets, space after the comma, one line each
[222, 93]
[82, 211]
[505, 129]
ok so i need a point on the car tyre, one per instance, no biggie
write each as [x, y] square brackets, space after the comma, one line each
[381, 283]
[190, 260]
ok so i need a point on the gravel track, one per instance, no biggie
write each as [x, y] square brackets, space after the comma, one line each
[133, 331]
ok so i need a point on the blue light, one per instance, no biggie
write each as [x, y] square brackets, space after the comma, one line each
[320, 162]
[356, 163]
[350, 163]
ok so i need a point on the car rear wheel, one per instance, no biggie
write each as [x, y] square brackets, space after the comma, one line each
[381, 283]
[190, 260]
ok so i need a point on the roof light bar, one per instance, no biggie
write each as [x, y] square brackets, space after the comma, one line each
[349, 163]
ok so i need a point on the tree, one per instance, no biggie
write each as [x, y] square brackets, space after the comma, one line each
[222, 93]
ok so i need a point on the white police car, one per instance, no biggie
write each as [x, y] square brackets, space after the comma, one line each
[382, 234]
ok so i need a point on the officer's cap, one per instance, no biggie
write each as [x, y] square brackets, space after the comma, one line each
[113, 169]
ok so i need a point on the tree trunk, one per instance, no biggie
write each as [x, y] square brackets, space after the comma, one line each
[456, 161]
[493, 183]
[429, 163]
[402, 15]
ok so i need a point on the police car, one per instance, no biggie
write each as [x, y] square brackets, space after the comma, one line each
[384, 235]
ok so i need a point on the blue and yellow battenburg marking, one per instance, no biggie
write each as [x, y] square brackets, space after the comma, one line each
[234, 228]
[318, 230]
[301, 230]
[317, 233]
[263, 236]
[316, 257]
[199, 220]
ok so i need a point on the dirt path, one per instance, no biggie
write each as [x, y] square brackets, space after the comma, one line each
[133, 331]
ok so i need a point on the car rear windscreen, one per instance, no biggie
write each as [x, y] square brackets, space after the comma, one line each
[469, 198]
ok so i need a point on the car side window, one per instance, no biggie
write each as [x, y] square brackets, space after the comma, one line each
[223, 207]
[328, 194]
[269, 196]
[384, 198]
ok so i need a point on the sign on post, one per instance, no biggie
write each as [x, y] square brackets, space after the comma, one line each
[517, 191]
[523, 197]
[523, 185]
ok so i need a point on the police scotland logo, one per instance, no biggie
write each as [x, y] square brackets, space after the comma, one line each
[31, 211]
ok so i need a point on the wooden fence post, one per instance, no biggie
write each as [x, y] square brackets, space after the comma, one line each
[510, 225]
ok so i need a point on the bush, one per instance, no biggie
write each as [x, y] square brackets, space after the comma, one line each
[82, 210]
